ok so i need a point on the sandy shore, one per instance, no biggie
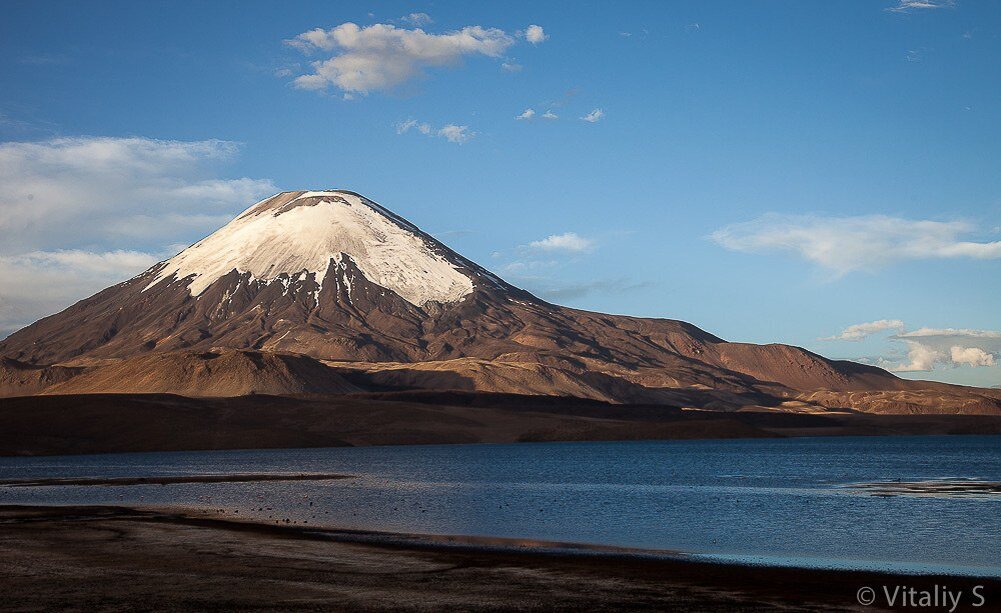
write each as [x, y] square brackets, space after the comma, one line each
[117, 559]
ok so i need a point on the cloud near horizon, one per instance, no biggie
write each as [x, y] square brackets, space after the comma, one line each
[847, 244]
[78, 214]
[384, 56]
[858, 332]
[929, 347]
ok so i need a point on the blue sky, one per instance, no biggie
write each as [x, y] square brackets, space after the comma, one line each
[770, 171]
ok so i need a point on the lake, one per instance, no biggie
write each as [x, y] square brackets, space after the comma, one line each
[796, 501]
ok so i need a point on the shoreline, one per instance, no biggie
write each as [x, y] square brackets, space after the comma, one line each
[182, 557]
[170, 480]
[55, 481]
[523, 545]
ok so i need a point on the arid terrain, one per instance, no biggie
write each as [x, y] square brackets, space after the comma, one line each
[99, 423]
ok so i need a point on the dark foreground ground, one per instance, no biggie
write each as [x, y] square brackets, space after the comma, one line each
[116, 559]
[106, 423]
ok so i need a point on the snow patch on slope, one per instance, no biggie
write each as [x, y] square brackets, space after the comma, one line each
[300, 239]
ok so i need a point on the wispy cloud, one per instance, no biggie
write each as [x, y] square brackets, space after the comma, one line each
[558, 291]
[39, 283]
[858, 332]
[568, 241]
[412, 124]
[594, 116]
[383, 56]
[550, 115]
[451, 132]
[456, 134]
[526, 115]
[61, 193]
[907, 6]
[73, 209]
[539, 267]
[846, 244]
[511, 66]
[417, 19]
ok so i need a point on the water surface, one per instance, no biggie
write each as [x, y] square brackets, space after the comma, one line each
[802, 501]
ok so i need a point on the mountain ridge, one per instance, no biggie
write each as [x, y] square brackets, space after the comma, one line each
[338, 278]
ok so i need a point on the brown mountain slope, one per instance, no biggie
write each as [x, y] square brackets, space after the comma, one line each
[20, 379]
[210, 373]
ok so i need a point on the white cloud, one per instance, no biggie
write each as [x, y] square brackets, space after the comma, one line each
[526, 115]
[845, 244]
[77, 214]
[417, 19]
[535, 34]
[455, 134]
[594, 116]
[451, 132]
[920, 358]
[543, 257]
[382, 56]
[906, 6]
[858, 332]
[74, 192]
[550, 115]
[568, 241]
[971, 356]
[930, 347]
[511, 66]
[40, 283]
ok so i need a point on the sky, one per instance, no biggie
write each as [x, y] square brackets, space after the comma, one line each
[823, 174]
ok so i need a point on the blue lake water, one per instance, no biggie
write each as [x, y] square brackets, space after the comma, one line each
[778, 501]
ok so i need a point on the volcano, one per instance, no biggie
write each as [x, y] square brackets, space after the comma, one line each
[329, 292]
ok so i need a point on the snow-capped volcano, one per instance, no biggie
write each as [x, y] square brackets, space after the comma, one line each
[294, 237]
[346, 287]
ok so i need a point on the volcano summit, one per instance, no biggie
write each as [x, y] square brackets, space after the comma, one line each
[329, 292]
